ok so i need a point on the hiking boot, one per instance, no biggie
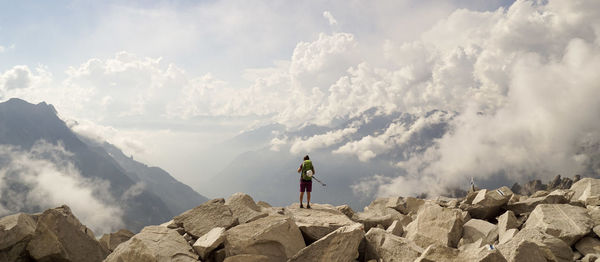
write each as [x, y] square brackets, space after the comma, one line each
[301, 206]
[308, 206]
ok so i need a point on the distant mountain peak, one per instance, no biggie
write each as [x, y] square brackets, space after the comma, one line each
[20, 104]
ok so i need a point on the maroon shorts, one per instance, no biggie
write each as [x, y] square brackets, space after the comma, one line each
[305, 185]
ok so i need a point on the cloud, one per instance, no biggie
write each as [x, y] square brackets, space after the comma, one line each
[530, 111]
[327, 15]
[395, 136]
[21, 77]
[321, 141]
[44, 177]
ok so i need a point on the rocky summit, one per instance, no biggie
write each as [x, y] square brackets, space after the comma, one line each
[486, 225]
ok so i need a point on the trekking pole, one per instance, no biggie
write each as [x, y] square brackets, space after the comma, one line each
[323, 184]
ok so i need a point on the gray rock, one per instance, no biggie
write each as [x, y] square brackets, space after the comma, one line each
[383, 217]
[568, 223]
[588, 245]
[507, 235]
[346, 210]
[586, 190]
[340, 245]
[443, 253]
[112, 240]
[387, 247]
[15, 232]
[318, 221]
[60, 236]
[244, 208]
[528, 205]
[201, 219]
[209, 242]
[154, 243]
[507, 221]
[552, 248]
[437, 225]
[590, 258]
[487, 203]
[395, 228]
[263, 204]
[476, 229]
[276, 237]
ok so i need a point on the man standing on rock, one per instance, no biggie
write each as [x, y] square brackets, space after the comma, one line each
[307, 170]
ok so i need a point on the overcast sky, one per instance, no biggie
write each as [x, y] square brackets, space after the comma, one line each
[164, 79]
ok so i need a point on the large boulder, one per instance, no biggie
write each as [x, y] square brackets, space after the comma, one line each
[588, 245]
[549, 247]
[154, 243]
[340, 245]
[448, 254]
[60, 236]
[244, 208]
[396, 228]
[586, 190]
[384, 217]
[476, 229]
[528, 205]
[209, 242]
[15, 232]
[277, 237]
[507, 222]
[381, 245]
[112, 240]
[318, 221]
[346, 210]
[487, 203]
[568, 223]
[201, 219]
[437, 225]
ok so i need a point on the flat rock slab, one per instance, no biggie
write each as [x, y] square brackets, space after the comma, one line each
[154, 243]
[209, 241]
[448, 254]
[340, 245]
[588, 245]
[487, 203]
[528, 205]
[277, 237]
[244, 208]
[437, 225]
[201, 219]
[568, 223]
[112, 240]
[388, 247]
[60, 236]
[476, 229]
[520, 246]
[318, 221]
[586, 190]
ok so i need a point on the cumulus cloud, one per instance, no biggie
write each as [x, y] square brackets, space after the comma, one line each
[315, 142]
[21, 77]
[531, 109]
[44, 177]
[395, 136]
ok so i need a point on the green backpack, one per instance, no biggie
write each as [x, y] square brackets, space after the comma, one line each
[307, 165]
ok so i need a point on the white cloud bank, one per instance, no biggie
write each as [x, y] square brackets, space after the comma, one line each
[43, 177]
[528, 95]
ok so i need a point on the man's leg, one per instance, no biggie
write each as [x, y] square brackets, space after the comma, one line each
[308, 198]
[301, 196]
